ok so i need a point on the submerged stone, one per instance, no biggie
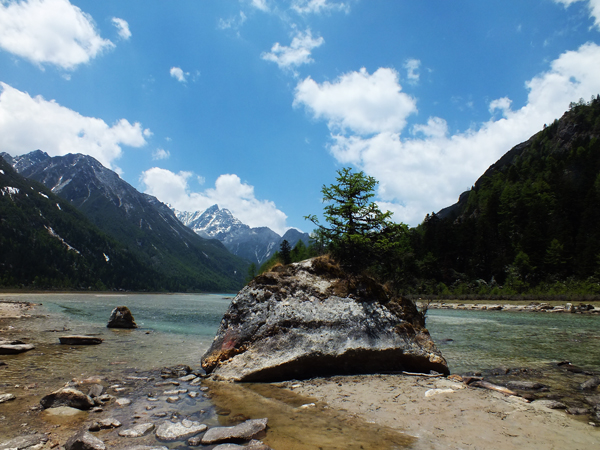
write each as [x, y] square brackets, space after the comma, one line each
[311, 319]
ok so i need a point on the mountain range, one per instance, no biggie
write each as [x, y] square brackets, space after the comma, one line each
[144, 225]
[45, 242]
[254, 244]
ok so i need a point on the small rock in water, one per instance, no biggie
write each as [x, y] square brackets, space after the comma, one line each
[79, 340]
[123, 402]
[525, 385]
[590, 384]
[96, 390]
[67, 397]
[169, 431]
[121, 317]
[245, 431]
[176, 371]
[252, 445]
[137, 431]
[14, 347]
[173, 399]
[175, 392]
[167, 383]
[84, 441]
[105, 424]
[189, 377]
[6, 397]
[578, 411]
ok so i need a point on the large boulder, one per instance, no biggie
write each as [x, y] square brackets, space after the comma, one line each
[311, 319]
[121, 317]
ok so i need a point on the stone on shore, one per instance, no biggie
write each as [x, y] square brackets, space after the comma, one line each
[121, 317]
[84, 441]
[244, 431]
[24, 442]
[176, 431]
[79, 340]
[67, 397]
[311, 319]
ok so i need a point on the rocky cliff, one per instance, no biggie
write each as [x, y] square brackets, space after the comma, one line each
[311, 319]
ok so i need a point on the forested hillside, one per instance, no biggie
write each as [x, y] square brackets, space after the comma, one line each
[45, 243]
[531, 223]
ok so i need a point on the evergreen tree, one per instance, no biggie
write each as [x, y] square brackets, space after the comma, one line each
[355, 222]
[285, 252]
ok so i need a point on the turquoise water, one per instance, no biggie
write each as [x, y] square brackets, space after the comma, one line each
[185, 314]
[178, 328]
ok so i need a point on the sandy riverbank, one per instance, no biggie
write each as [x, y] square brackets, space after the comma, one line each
[454, 416]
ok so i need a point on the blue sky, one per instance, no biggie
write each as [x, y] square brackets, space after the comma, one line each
[255, 104]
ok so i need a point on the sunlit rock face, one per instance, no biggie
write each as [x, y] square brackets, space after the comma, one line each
[311, 319]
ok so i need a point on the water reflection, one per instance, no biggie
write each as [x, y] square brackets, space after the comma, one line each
[300, 423]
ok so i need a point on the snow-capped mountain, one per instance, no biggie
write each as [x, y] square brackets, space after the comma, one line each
[146, 226]
[255, 244]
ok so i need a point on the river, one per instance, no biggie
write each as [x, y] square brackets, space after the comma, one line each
[178, 329]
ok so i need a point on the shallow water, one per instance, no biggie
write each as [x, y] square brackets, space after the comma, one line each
[479, 340]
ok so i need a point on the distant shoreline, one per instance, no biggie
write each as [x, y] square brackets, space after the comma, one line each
[592, 308]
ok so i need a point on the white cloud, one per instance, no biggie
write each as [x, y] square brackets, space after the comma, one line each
[427, 171]
[297, 53]
[412, 68]
[27, 124]
[49, 31]
[229, 192]
[502, 104]
[234, 22]
[179, 74]
[160, 153]
[593, 5]
[318, 6]
[122, 27]
[358, 101]
[260, 4]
